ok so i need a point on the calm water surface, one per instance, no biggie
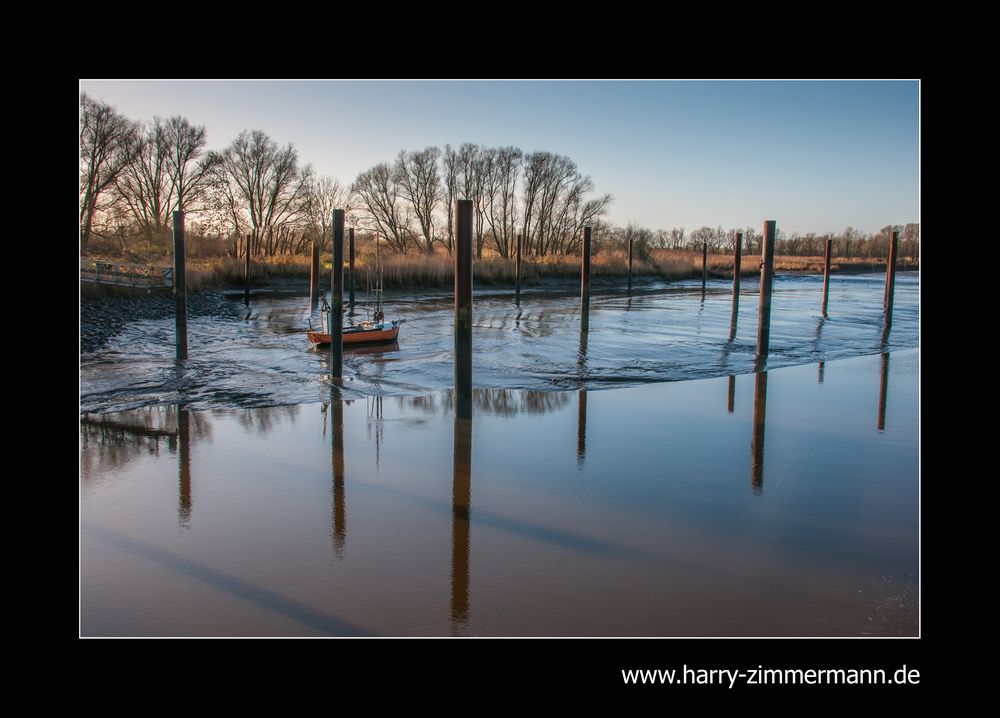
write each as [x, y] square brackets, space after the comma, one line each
[778, 504]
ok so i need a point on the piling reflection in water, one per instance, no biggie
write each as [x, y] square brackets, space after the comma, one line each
[883, 391]
[183, 467]
[757, 443]
[581, 428]
[732, 393]
[461, 506]
[819, 378]
[339, 533]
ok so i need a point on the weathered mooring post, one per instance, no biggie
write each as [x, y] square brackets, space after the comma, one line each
[890, 282]
[585, 282]
[350, 262]
[883, 391]
[826, 273]
[630, 242]
[737, 259]
[461, 499]
[463, 309]
[757, 443]
[314, 276]
[766, 279]
[180, 288]
[246, 274]
[704, 265]
[337, 299]
[517, 272]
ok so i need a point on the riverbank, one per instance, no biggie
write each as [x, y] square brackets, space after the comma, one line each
[419, 271]
[104, 314]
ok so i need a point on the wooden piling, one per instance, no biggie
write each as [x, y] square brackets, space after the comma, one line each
[246, 274]
[826, 273]
[585, 282]
[890, 282]
[337, 299]
[463, 309]
[766, 280]
[314, 276]
[180, 288]
[630, 242]
[737, 259]
[517, 272]
[350, 262]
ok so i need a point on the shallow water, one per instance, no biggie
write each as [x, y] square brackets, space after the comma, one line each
[665, 332]
[783, 503]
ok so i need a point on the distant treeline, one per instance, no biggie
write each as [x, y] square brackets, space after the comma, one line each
[134, 175]
[848, 244]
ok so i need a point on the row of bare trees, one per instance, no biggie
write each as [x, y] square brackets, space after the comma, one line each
[850, 243]
[410, 203]
[134, 175]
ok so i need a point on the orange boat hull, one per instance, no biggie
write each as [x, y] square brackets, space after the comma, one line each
[367, 336]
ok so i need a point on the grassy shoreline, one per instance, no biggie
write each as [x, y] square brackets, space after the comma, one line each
[423, 271]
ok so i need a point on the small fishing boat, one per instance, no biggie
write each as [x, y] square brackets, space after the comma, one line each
[375, 330]
[363, 333]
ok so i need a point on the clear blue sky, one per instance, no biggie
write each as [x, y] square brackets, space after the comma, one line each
[815, 156]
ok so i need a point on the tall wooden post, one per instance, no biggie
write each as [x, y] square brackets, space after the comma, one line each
[737, 259]
[826, 273]
[766, 279]
[585, 282]
[517, 272]
[630, 242]
[350, 260]
[890, 282]
[180, 288]
[314, 276]
[246, 274]
[337, 299]
[463, 309]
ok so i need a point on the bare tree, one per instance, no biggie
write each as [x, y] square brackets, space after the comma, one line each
[472, 176]
[500, 188]
[420, 184]
[108, 145]
[189, 177]
[534, 170]
[377, 193]
[450, 189]
[262, 185]
[144, 184]
[324, 195]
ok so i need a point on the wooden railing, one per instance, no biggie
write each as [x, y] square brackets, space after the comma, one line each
[129, 275]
